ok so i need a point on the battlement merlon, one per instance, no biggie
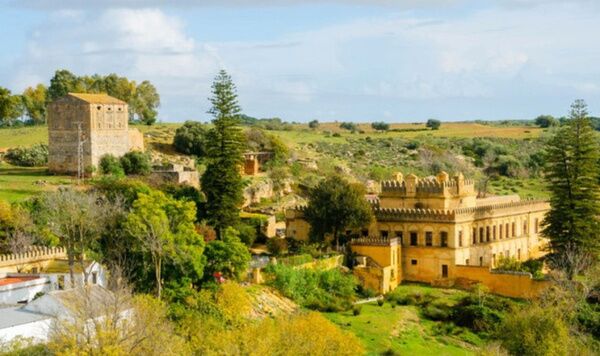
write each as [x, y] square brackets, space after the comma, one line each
[375, 241]
[414, 187]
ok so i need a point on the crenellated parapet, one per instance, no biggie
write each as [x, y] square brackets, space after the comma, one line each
[442, 185]
[34, 253]
[374, 241]
[410, 214]
[530, 204]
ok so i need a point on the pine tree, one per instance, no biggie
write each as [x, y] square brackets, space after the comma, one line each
[222, 182]
[572, 174]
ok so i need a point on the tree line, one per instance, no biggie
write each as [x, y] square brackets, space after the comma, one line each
[29, 107]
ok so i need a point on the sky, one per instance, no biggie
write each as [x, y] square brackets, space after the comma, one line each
[345, 60]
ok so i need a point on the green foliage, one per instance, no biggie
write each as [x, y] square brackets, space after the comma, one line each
[165, 230]
[124, 189]
[143, 99]
[433, 124]
[534, 331]
[229, 256]
[572, 173]
[313, 124]
[512, 264]
[34, 156]
[277, 246]
[336, 205]
[34, 102]
[222, 182]
[109, 164]
[10, 107]
[380, 126]
[356, 310]
[136, 163]
[296, 260]
[247, 232]
[330, 290]
[350, 126]
[190, 138]
[545, 121]
[588, 318]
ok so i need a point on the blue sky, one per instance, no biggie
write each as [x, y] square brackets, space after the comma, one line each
[346, 60]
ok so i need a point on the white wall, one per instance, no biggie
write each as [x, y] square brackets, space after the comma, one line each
[37, 330]
[24, 291]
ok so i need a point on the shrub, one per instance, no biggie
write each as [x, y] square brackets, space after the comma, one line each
[109, 164]
[136, 162]
[433, 124]
[313, 124]
[437, 311]
[329, 290]
[534, 331]
[191, 138]
[356, 310]
[475, 317]
[34, 156]
[277, 246]
[380, 302]
[247, 232]
[350, 126]
[380, 126]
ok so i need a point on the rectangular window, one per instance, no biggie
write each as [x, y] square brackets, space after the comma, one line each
[487, 233]
[428, 238]
[500, 232]
[536, 226]
[481, 261]
[467, 262]
[514, 230]
[444, 271]
[460, 242]
[413, 239]
[481, 234]
[365, 233]
[399, 236]
[383, 234]
[507, 232]
[525, 232]
[413, 262]
[494, 232]
[519, 254]
[474, 234]
[444, 239]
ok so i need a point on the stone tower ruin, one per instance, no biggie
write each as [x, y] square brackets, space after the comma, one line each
[97, 122]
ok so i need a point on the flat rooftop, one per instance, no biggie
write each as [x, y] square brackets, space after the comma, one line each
[17, 316]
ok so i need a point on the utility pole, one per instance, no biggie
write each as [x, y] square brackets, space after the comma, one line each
[80, 142]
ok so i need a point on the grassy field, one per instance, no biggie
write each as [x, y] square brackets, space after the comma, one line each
[401, 329]
[19, 183]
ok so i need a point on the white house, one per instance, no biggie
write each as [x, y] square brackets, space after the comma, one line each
[35, 319]
[18, 288]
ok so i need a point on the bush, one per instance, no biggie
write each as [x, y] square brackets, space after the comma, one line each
[476, 317]
[356, 310]
[34, 156]
[329, 290]
[191, 139]
[380, 302]
[277, 246]
[350, 126]
[110, 164]
[313, 124]
[534, 331]
[380, 126]
[433, 124]
[247, 232]
[136, 162]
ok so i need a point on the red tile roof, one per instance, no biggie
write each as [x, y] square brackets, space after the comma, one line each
[12, 280]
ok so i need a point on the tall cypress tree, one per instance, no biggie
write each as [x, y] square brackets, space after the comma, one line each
[572, 173]
[222, 182]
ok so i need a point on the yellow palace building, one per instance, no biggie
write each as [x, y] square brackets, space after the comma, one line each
[436, 230]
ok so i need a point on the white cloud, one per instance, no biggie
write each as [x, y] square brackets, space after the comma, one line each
[401, 62]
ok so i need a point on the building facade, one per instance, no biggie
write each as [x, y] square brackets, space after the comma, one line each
[441, 224]
[93, 124]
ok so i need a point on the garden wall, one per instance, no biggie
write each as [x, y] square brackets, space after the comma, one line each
[505, 283]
